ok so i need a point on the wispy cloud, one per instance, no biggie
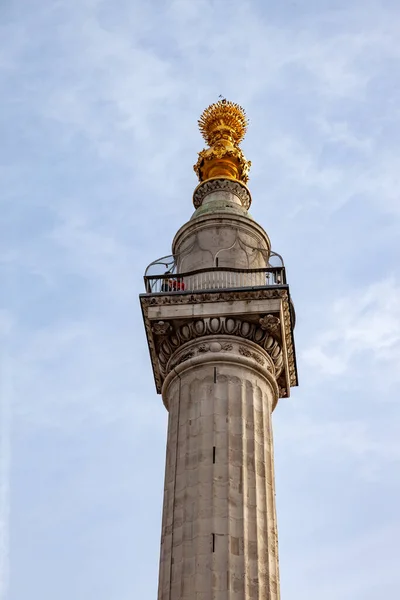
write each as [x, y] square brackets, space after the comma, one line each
[98, 140]
[363, 325]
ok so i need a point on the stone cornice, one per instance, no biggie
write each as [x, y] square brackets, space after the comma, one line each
[278, 291]
[289, 342]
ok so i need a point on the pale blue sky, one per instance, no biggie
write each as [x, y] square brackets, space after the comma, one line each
[100, 101]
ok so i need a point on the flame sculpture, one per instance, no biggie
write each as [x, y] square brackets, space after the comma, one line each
[223, 125]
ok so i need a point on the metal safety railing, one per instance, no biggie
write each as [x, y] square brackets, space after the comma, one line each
[214, 278]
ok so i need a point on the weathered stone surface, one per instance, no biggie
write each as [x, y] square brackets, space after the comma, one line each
[235, 240]
[219, 531]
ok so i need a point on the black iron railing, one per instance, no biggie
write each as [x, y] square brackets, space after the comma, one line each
[214, 278]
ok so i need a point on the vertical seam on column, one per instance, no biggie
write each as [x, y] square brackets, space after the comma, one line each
[266, 521]
[229, 486]
[278, 593]
[263, 561]
[245, 486]
[188, 506]
[267, 417]
[205, 524]
[173, 501]
[213, 559]
[256, 487]
[271, 531]
[184, 444]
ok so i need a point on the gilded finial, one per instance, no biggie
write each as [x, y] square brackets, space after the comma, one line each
[223, 117]
[223, 126]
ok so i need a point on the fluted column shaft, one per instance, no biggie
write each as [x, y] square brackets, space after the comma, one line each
[219, 532]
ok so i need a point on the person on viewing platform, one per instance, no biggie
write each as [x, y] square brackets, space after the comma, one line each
[172, 285]
[165, 286]
[176, 285]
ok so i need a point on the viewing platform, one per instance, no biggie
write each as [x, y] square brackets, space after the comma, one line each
[210, 278]
[216, 278]
[180, 305]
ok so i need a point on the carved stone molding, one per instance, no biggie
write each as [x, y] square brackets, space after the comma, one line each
[198, 349]
[289, 343]
[231, 326]
[215, 347]
[161, 328]
[226, 185]
[246, 352]
[270, 323]
[228, 296]
[219, 346]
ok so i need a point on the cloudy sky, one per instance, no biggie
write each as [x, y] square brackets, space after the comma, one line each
[100, 100]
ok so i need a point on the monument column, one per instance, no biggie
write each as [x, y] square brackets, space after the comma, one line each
[219, 536]
[220, 332]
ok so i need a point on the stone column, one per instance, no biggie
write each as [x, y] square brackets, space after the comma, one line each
[219, 531]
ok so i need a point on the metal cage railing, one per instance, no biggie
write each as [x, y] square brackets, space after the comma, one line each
[214, 278]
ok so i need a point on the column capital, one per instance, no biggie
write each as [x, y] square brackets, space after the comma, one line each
[174, 321]
[219, 350]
